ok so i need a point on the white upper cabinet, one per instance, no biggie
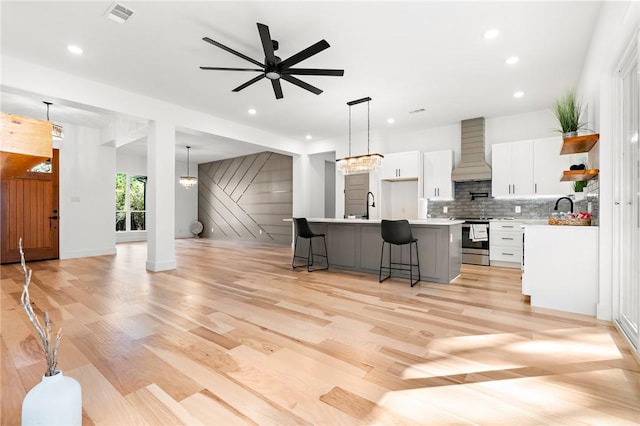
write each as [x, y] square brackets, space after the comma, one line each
[437, 167]
[512, 169]
[548, 166]
[400, 166]
[527, 168]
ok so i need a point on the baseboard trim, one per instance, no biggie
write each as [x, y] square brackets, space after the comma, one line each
[160, 266]
[88, 253]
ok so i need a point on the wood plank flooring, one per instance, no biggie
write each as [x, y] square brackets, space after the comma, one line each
[235, 336]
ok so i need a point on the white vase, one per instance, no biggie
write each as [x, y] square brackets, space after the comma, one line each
[579, 196]
[56, 400]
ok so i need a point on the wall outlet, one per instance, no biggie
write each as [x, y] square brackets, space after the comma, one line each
[518, 210]
[261, 232]
[445, 209]
[589, 207]
[211, 229]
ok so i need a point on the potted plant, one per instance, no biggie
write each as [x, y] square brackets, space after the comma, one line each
[578, 188]
[57, 399]
[568, 112]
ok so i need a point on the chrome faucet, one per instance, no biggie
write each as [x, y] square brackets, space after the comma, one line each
[373, 204]
[563, 198]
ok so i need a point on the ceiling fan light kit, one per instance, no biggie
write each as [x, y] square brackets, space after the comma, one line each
[276, 69]
[188, 181]
[360, 163]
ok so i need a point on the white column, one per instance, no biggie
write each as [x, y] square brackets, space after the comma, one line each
[161, 143]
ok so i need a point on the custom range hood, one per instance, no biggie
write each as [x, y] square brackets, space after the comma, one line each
[472, 165]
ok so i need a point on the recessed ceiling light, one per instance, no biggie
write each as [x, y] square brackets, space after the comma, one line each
[391, 121]
[518, 94]
[493, 33]
[252, 111]
[512, 60]
[308, 137]
[76, 50]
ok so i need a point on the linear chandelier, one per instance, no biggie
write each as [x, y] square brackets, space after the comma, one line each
[188, 181]
[360, 163]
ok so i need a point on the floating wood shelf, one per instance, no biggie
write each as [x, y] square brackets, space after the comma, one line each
[578, 144]
[24, 142]
[579, 175]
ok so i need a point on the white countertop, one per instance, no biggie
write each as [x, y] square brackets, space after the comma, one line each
[441, 222]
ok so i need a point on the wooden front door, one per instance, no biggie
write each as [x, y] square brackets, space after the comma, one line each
[29, 210]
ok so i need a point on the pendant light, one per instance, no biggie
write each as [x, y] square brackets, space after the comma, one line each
[188, 181]
[360, 163]
[56, 130]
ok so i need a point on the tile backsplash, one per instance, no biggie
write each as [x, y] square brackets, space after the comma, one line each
[530, 208]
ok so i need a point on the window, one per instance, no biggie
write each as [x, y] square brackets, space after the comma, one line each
[131, 201]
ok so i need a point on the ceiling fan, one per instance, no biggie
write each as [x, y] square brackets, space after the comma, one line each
[276, 69]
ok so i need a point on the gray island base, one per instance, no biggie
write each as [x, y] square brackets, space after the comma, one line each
[355, 244]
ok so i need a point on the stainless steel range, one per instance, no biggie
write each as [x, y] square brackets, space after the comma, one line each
[475, 251]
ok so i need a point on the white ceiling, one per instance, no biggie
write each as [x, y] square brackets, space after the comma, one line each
[404, 55]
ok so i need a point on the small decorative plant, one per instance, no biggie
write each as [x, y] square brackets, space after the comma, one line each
[568, 112]
[49, 342]
[578, 186]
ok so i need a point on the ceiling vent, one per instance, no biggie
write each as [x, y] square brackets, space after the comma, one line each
[118, 13]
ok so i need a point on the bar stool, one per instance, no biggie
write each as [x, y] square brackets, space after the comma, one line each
[304, 231]
[398, 233]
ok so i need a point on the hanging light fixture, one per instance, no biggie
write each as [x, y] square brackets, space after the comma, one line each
[188, 181]
[360, 163]
[56, 130]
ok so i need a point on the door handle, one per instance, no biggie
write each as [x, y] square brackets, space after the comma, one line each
[53, 217]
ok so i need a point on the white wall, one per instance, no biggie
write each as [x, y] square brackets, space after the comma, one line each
[186, 200]
[316, 183]
[618, 25]
[87, 195]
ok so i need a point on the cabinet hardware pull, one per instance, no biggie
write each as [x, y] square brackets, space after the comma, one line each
[504, 238]
[507, 254]
[507, 226]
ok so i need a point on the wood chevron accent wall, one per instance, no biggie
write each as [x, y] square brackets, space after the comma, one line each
[240, 197]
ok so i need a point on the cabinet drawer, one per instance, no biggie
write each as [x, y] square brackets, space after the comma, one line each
[506, 225]
[506, 254]
[508, 239]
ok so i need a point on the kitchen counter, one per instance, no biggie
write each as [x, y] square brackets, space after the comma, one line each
[355, 244]
[446, 222]
[561, 267]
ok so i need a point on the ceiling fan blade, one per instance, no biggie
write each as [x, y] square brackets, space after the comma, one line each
[312, 71]
[291, 79]
[248, 83]
[267, 44]
[230, 50]
[277, 89]
[232, 69]
[304, 54]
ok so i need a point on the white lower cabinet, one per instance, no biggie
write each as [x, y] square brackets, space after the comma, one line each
[505, 243]
[560, 268]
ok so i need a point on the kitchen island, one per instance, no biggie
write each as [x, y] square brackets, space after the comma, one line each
[560, 268]
[355, 244]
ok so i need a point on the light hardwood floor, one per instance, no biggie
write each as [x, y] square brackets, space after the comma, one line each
[235, 336]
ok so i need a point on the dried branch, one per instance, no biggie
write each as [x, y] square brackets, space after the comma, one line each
[45, 333]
